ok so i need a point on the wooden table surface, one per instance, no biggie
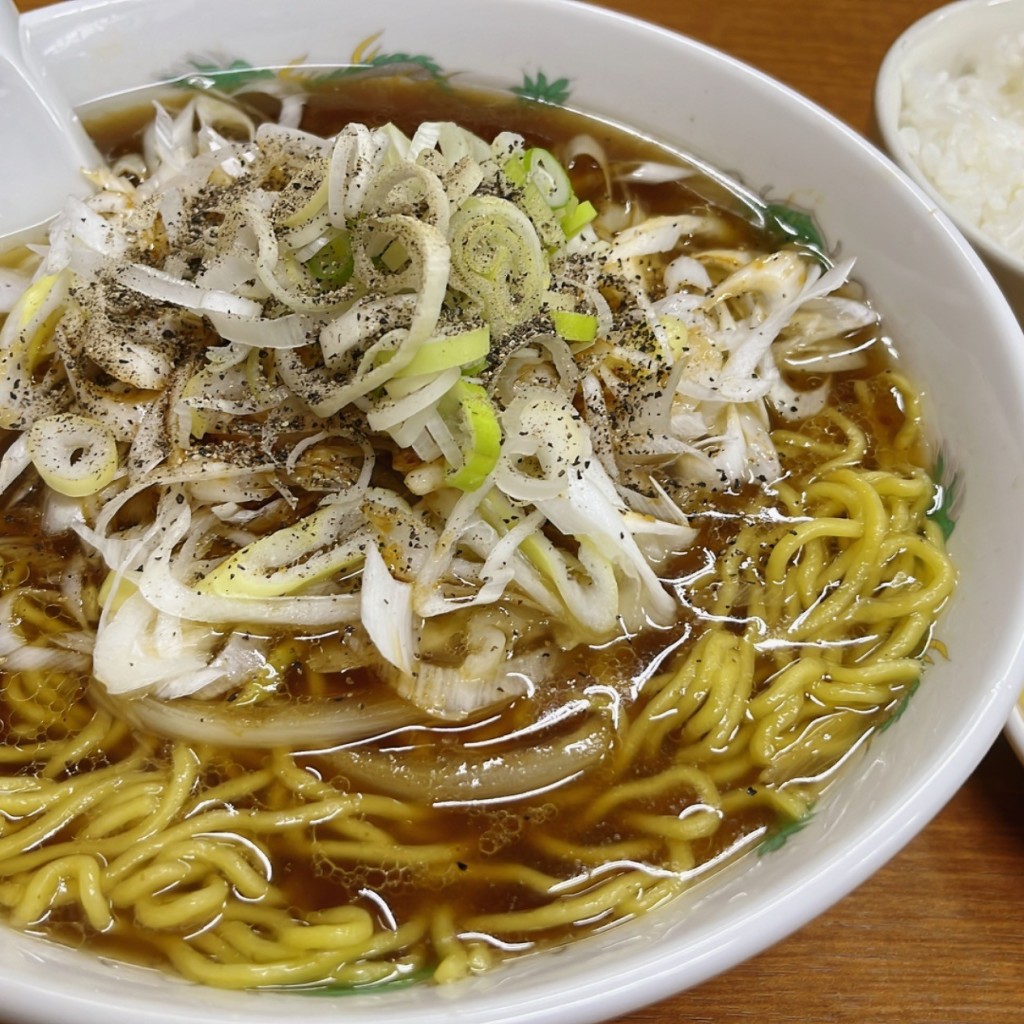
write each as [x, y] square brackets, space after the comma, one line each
[937, 936]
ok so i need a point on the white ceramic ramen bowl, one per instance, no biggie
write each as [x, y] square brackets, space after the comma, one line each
[958, 338]
[950, 39]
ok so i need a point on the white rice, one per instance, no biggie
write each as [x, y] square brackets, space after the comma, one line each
[965, 130]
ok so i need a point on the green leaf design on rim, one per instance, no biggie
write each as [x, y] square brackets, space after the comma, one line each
[779, 836]
[900, 708]
[228, 77]
[543, 91]
[233, 74]
[417, 977]
[792, 224]
[948, 494]
[367, 59]
[395, 63]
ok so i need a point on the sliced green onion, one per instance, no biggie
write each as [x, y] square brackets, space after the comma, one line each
[386, 611]
[42, 302]
[676, 334]
[497, 259]
[332, 265]
[452, 350]
[33, 297]
[305, 213]
[313, 549]
[394, 257]
[115, 590]
[534, 198]
[545, 220]
[75, 455]
[539, 172]
[593, 605]
[500, 513]
[470, 413]
[577, 216]
[549, 176]
[574, 326]
[515, 171]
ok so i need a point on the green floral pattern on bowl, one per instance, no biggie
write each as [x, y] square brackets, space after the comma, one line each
[233, 74]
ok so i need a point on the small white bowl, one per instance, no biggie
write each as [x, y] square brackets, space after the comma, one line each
[947, 40]
[1015, 729]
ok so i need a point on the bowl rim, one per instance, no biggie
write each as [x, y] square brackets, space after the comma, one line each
[888, 93]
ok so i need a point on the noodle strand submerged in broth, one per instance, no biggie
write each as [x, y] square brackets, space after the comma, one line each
[375, 697]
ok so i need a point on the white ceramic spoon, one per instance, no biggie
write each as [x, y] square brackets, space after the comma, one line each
[43, 146]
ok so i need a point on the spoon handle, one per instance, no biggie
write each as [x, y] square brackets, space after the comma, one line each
[43, 146]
